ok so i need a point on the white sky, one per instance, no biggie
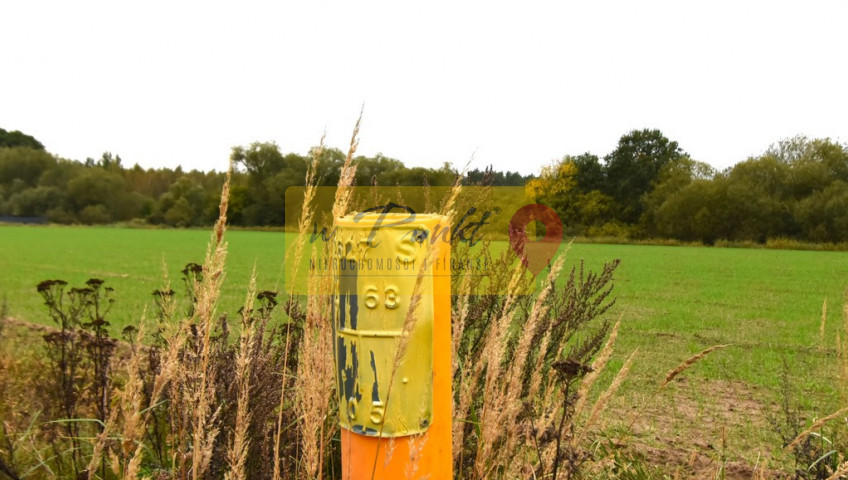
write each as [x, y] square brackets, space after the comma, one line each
[520, 83]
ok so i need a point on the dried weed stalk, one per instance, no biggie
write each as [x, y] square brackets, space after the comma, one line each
[518, 367]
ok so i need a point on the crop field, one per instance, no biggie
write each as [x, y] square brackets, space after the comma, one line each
[132, 261]
[766, 305]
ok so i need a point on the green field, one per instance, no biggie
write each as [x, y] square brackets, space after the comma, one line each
[131, 261]
[673, 301]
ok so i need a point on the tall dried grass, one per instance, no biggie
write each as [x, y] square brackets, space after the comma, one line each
[188, 373]
[842, 353]
[823, 322]
[303, 230]
[314, 382]
[802, 445]
[686, 364]
[815, 426]
[238, 448]
[518, 370]
[206, 412]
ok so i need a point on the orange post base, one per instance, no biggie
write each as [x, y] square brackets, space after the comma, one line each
[398, 458]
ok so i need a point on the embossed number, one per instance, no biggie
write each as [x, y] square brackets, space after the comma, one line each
[377, 412]
[372, 297]
[391, 297]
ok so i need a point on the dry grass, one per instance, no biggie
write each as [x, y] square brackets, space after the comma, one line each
[841, 414]
[347, 176]
[686, 364]
[192, 372]
[605, 398]
[303, 230]
[842, 354]
[517, 378]
[237, 454]
[815, 426]
[823, 322]
[597, 367]
[502, 399]
[840, 472]
[314, 381]
[126, 458]
[313, 385]
[206, 412]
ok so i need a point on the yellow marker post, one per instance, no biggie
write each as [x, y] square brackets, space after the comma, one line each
[405, 432]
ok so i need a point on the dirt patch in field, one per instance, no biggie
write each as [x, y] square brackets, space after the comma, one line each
[13, 324]
[694, 428]
[20, 334]
[691, 464]
[16, 333]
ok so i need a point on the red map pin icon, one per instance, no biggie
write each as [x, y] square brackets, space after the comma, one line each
[535, 255]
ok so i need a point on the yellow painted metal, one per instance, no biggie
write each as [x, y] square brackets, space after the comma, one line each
[378, 258]
[417, 417]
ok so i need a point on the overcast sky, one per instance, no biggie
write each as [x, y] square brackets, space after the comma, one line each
[516, 84]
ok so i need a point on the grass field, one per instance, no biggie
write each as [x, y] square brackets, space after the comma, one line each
[131, 261]
[673, 302]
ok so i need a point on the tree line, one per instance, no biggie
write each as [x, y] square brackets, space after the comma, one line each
[36, 183]
[647, 187]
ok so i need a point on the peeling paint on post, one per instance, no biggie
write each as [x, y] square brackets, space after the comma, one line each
[378, 258]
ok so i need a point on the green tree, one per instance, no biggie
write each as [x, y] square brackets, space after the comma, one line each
[25, 164]
[583, 208]
[34, 202]
[59, 174]
[633, 167]
[591, 174]
[814, 164]
[180, 214]
[183, 205]
[96, 186]
[329, 166]
[94, 214]
[378, 167]
[823, 216]
[16, 138]
[672, 178]
[693, 212]
[728, 206]
[759, 191]
[263, 162]
[496, 178]
[260, 159]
